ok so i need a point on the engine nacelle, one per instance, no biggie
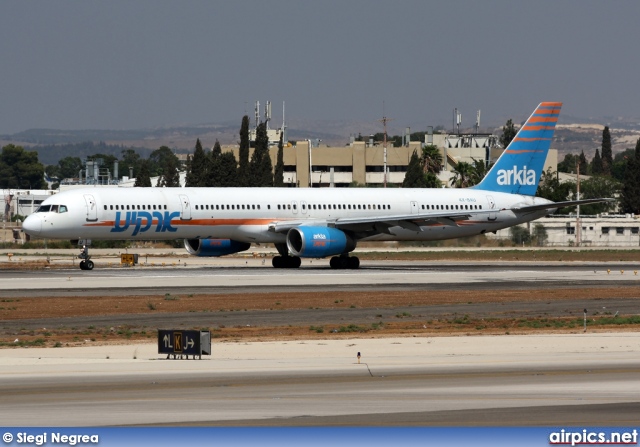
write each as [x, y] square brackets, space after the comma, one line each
[318, 242]
[214, 247]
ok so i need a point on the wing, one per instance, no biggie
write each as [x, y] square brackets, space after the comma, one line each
[362, 227]
[368, 226]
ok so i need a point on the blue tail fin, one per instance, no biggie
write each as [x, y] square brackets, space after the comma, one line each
[518, 169]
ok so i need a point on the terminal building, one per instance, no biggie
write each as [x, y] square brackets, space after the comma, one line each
[310, 164]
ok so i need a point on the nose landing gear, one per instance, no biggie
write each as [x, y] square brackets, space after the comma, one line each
[86, 263]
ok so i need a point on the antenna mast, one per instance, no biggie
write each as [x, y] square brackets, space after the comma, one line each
[384, 121]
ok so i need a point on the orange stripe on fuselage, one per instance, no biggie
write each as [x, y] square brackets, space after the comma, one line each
[193, 222]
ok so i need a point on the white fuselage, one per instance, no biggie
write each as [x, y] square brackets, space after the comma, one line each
[248, 214]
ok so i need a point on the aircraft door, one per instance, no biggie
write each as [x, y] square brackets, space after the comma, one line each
[185, 205]
[92, 208]
[492, 206]
[303, 205]
[414, 207]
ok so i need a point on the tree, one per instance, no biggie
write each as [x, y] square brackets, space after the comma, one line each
[260, 168]
[582, 160]
[508, 133]
[20, 169]
[243, 153]
[70, 167]
[462, 175]
[162, 157]
[599, 186]
[630, 197]
[519, 235]
[196, 175]
[278, 173]
[620, 163]
[414, 178]
[607, 158]
[539, 235]
[480, 170]
[213, 166]
[143, 178]
[596, 164]
[551, 188]
[52, 171]
[228, 170]
[129, 159]
[568, 164]
[431, 159]
[170, 177]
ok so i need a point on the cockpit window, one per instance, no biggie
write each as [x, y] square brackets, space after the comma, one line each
[52, 209]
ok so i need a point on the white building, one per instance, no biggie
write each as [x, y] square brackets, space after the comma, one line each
[604, 230]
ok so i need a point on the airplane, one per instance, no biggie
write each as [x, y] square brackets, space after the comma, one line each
[310, 222]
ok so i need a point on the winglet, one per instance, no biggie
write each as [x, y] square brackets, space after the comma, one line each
[520, 166]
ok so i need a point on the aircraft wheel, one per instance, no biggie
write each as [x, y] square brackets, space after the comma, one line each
[334, 262]
[83, 265]
[354, 262]
[88, 265]
[295, 262]
[276, 262]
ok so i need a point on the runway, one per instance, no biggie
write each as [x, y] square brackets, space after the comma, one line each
[233, 277]
[570, 379]
[584, 379]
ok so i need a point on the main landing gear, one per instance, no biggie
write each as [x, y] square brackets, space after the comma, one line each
[86, 263]
[344, 262]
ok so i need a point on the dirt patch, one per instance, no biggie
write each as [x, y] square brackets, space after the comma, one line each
[14, 310]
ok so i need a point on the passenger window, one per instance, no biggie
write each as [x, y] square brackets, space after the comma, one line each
[111, 207]
[105, 207]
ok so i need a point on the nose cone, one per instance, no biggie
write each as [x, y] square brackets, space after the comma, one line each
[32, 225]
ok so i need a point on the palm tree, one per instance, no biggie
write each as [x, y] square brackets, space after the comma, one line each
[431, 159]
[462, 175]
[480, 169]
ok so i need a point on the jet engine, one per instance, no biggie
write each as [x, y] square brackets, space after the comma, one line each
[318, 242]
[214, 247]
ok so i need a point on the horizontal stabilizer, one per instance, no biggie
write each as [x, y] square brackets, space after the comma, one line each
[556, 205]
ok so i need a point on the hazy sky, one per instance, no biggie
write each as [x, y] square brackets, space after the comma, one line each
[131, 64]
